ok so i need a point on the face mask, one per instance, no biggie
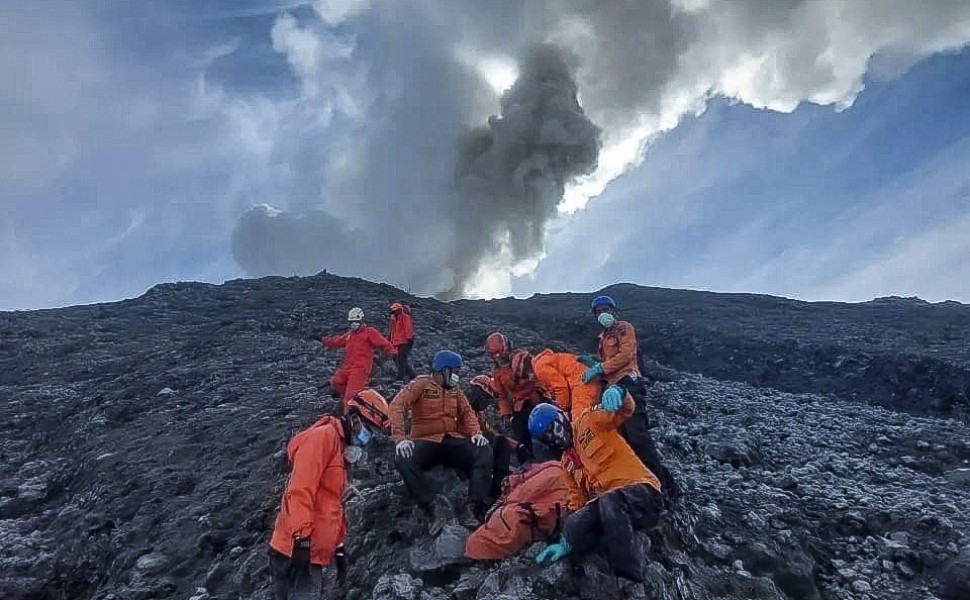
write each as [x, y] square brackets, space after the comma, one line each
[352, 454]
[354, 325]
[363, 436]
[606, 320]
[452, 381]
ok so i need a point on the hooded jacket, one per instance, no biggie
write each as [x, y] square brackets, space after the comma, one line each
[312, 504]
[402, 328]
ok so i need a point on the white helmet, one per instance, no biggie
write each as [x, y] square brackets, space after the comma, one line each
[355, 314]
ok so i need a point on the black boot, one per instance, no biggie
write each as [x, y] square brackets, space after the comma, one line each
[436, 518]
[471, 516]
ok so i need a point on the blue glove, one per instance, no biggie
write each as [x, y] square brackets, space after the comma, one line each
[592, 372]
[612, 398]
[587, 359]
[554, 552]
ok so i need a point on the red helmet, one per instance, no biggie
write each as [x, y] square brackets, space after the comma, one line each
[521, 363]
[496, 344]
[372, 408]
[484, 383]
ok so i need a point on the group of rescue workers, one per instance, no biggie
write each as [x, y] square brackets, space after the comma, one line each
[591, 411]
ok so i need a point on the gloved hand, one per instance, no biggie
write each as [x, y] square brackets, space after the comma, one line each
[592, 372]
[404, 449]
[340, 561]
[479, 440]
[553, 552]
[588, 359]
[612, 398]
[523, 454]
[300, 559]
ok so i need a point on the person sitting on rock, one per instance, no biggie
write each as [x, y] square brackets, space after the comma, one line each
[401, 337]
[618, 364]
[530, 509]
[515, 398]
[611, 492]
[442, 421]
[359, 344]
[560, 375]
[310, 527]
[480, 394]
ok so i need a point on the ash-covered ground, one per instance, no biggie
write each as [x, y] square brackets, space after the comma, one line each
[143, 445]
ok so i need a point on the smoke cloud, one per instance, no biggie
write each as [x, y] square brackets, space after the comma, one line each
[429, 200]
[511, 175]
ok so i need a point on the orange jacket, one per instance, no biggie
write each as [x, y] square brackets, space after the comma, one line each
[618, 351]
[561, 375]
[313, 501]
[529, 510]
[359, 347]
[600, 459]
[512, 395]
[435, 412]
[402, 329]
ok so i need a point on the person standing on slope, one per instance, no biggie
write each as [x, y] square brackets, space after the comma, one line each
[310, 527]
[359, 344]
[619, 366]
[401, 336]
[610, 492]
[444, 431]
[515, 398]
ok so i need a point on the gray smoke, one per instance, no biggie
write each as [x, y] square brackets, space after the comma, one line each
[512, 173]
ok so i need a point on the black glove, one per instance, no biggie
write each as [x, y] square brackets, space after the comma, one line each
[340, 561]
[300, 559]
[523, 454]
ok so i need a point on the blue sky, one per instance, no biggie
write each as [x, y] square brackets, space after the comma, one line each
[813, 150]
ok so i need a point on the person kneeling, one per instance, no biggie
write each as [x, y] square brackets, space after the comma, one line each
[442, 421]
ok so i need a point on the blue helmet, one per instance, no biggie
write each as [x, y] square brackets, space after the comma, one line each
[541, 417]
[602, 301]
[446, 359]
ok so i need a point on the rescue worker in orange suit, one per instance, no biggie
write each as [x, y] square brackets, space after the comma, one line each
[401, 337]
[310, 527]
[444, 431]
[611, 493]
[480, 393]
[359, 344]
[515, 398]
[530, 509]
[618, 365]
[560, 376]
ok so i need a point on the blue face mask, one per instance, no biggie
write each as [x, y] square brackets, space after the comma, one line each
[363, 437]
[606, 320]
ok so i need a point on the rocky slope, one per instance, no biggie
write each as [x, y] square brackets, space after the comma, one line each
[143, 447]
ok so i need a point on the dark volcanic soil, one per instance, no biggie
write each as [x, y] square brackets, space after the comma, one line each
[143, 445]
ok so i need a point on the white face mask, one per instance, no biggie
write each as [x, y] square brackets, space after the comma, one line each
[354, 325]
[352, 454]
[453, 380]
[606, 320]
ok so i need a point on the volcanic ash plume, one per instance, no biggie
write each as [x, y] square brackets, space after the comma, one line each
[511, 175]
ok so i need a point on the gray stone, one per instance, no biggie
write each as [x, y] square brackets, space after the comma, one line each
[445, 551]
[400, 586]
